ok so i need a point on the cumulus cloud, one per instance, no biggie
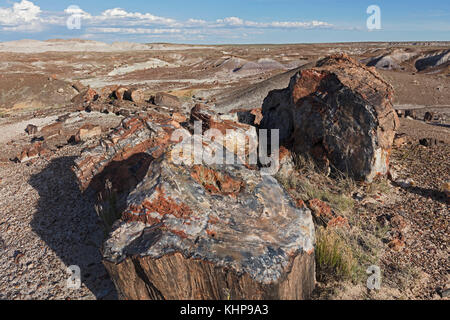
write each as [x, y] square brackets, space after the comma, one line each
[20, 13]
[25, 16]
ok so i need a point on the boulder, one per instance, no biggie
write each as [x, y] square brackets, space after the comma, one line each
[33, 151]
[135, 95]
[52, 130]
[411, 114]
[340, 112]
[167, 100]
[87, 132]
[84, 98]
[429, 116]
[198, 231]
[31, 129]
[119, 93]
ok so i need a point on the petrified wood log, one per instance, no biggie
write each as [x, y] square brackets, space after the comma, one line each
[197, 231]
[339, 112]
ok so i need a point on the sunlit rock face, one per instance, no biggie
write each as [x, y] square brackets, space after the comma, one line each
[340, 112]
[197, 230]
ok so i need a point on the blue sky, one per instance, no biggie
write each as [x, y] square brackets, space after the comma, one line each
[230, 21]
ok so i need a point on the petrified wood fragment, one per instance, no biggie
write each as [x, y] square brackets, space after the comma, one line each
[340, 112]
[198, 231]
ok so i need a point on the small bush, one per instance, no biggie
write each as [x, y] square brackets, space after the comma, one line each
[333, 256]
[107, 207]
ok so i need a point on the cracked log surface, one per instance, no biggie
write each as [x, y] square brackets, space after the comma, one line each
[339, 112]
[198, 231]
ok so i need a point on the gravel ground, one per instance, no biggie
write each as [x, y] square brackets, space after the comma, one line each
[47, 225]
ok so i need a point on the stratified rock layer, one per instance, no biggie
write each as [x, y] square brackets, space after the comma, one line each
[340, 112]
[197, 231]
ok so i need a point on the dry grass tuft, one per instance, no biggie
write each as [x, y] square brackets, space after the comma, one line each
[334, 257]
[107, 207]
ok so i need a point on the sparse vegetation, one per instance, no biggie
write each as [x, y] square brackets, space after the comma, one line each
[107, 207]
[334, 257]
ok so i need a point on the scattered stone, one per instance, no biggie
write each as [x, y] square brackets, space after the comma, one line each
[34, 151]
[61, 90]
[63, 118]
[400, 140]
[340, 112]
[445, 293]
[397, 245]
[84, 98]
[428, 142]
[79, 86]
[87, 132]
[321, 211]
[17, 256]
[119, 93]
[167, 100]
[252, 117]
[124, 112]
[31, 129]
[135, 95]
[429, 116]
[411, 114]
[52, 130]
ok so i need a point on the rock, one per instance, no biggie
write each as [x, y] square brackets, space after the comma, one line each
[79, 86]
[84, 98]
[190, 230]
[399, 223]
[63, 118]
[252, 117]
[124, 112]
[238, 138]
[408, 183]
[429, 142]
[52, 130]
[399, 113]
[321, 211]
[338, 222]
[446, 189]
[31, 129]
[340, 112]
[400, 140]
[287, 164]
[445, 293]
[36, 149]
[119, 93]
[412, 114]
[397, 245]
[167, 100]
[87, 132]
[135, 95]
[428, 117]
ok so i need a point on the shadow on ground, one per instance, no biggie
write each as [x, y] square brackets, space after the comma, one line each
[66, 220]
[436, 195]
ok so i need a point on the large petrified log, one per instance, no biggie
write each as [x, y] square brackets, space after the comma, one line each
[340, 112]
[198, 231]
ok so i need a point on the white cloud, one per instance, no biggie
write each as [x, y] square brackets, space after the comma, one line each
[21, 12]
[134, 30]
[25, 16]
[121, 14]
